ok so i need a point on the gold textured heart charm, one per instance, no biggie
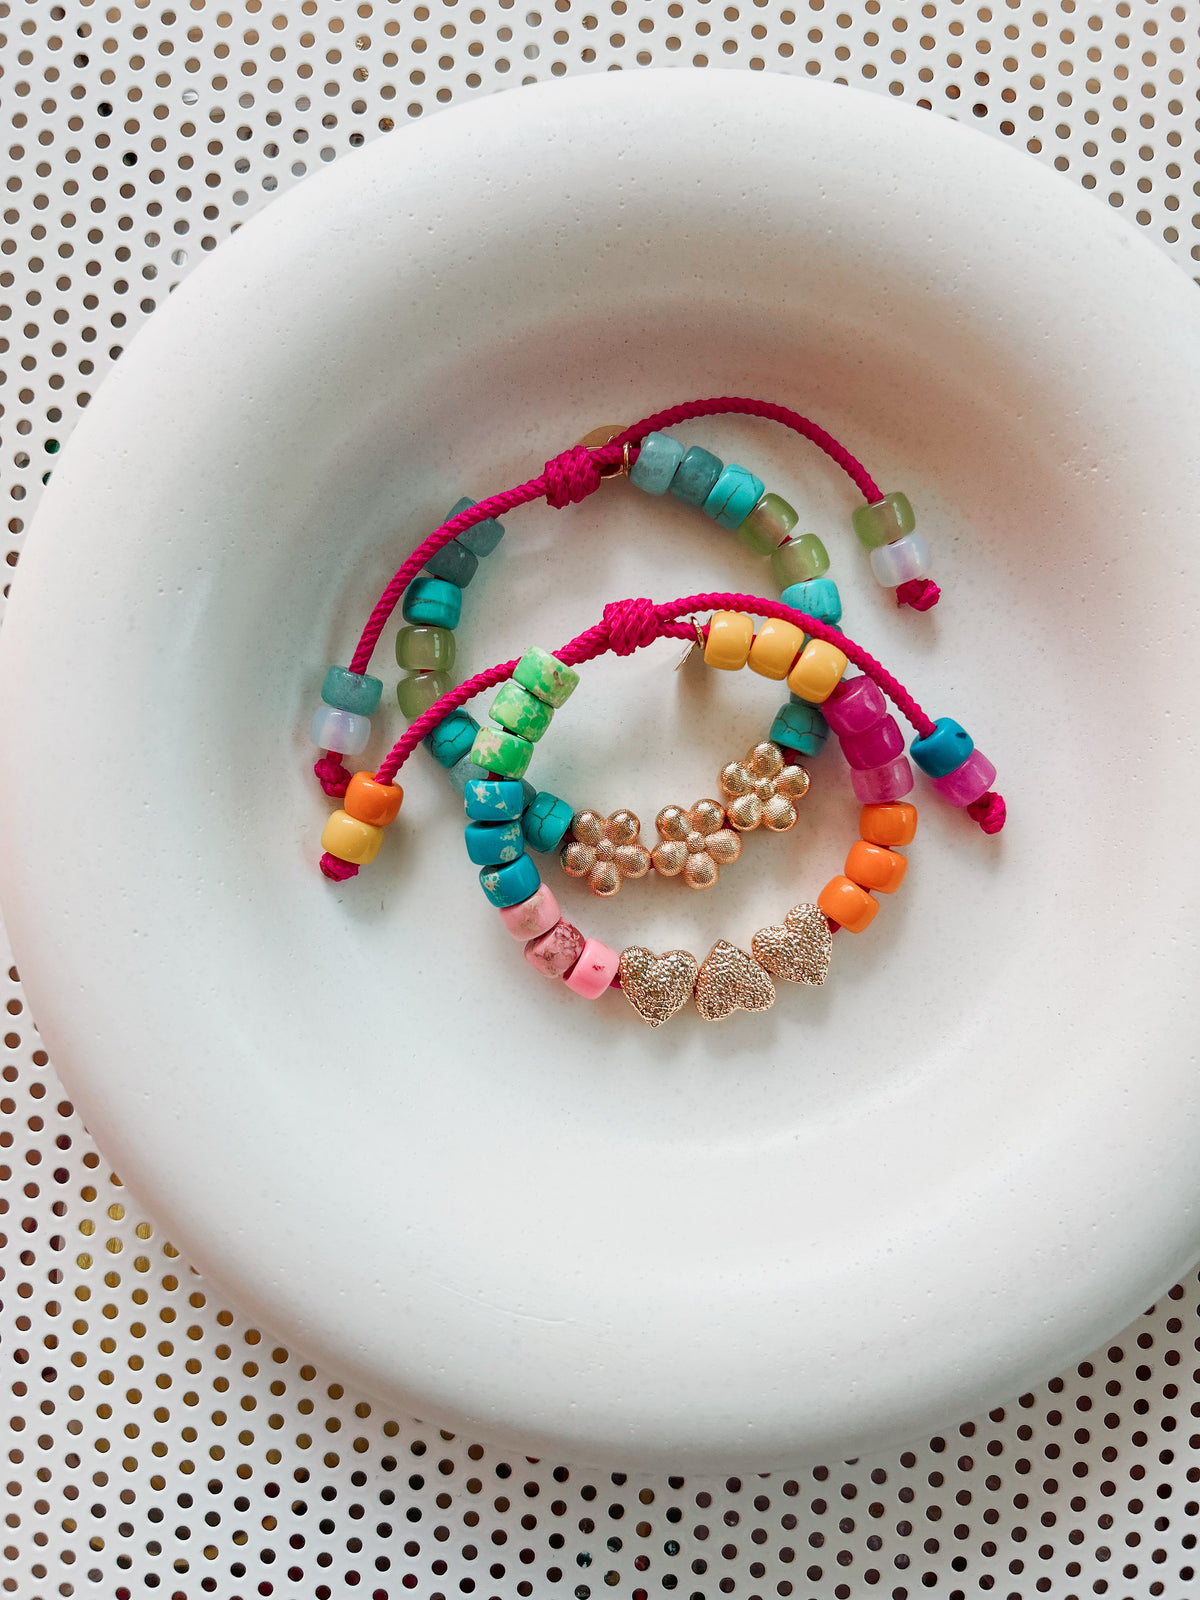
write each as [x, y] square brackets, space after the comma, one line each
[656, 986]
[730, 981]
[800, 950]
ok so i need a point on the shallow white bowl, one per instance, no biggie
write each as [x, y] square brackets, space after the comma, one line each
[877, 1207]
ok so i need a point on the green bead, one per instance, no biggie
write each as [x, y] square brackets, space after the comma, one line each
[884, 521]
[497, 750]
[768, 525]
[520, 712]
[799, 561]
[425, 649]
[546, 677]
[416, 693]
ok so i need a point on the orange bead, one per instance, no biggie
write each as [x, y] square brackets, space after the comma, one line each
[845, 903]
[873, 867]
[368, 801]
[888, 824]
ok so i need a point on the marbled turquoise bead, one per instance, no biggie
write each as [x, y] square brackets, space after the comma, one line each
[696, 476]
[452, 739]
[817, 598]
[799, 726]
[495, 799]
[351, 691]
[453, 562]
[520, 712]
[433, 600]
[546, 820]
[545, 676]
[511, 885]
[497, 750]
[944, 750]
[494, 844]
[733, 497]
[483, 538]
[656, 463]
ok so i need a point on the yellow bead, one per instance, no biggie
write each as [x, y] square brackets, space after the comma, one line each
[818, 672]
[775, 648]
[730, 635]
[350, 840]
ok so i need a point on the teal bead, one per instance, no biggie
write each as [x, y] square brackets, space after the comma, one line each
[818, 598]
[520, 712]
[452, 739]
[799, 560]
[424, 649]
[351, 691]
[546, 677]
[545, 822]
[768, 524]
[416, 693]
[696, 476]
[483, 538]
[432, 600]
[944, 750]
[733, 497]
[495, 799]
[494, 844]
[801, 727]
[497, 750]
[884, 521]
[511, 885]
[453, 562]
[529, 790]
[656, 463]
[463, 771]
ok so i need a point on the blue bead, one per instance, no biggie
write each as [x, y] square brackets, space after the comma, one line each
[945, 749]
[351, 691]
[453, 562]
[494, 844]
[696, 476]
[529, 790]
[545, 821]
[656, 463]
[801, 727]
[494, 799]
[451, 739]
[483, 538]
[733, 497]
[818, 598]
[511, 885]
[433, 600]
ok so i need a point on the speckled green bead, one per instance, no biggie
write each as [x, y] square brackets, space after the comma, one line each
[545, 677]
[497, 750]
[884, 521]
[416, 693]
[696, 476]
[769, 524]
[454, 563]
[351, 691]
[452, 739]
[425, 649]
[799, 560]
[483, 538]
[520, 712]
[545, 822]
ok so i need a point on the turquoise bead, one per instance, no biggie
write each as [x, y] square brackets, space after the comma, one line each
[453, 562]
[884, 521]
[656, 463]
[452, 739]
[351, 691]
[696, 476]
[817, 598]
[433, 600]
[801, 727]
[495, 799]
[520, 712]
[494, 844]
[733, 497]
[944, 750]
[511, 885]
[483, 538]
[546, 820]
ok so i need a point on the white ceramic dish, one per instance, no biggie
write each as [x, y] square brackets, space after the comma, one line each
[879, 1206]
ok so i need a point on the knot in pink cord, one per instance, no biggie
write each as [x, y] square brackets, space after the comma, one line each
[332, 776]
[919, 593]
[631, 624]
[989, 811]
[336, 869]
[571, 477]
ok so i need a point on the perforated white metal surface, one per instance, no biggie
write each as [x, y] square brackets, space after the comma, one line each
[157, 1441]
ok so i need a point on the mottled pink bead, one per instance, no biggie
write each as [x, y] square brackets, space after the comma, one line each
[556, 952]
[877, 784]
[595, 970]
[876, 746]
[967, 783]
[854, 706]
[536, 915]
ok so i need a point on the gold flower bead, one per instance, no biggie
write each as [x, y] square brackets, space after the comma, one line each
[605, 850]
[762, 788]
[696, 843]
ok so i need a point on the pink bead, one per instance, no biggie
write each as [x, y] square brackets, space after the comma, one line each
[878, 784]
[874, 747]
[967, 783]
[556, 952]
[854, 706]
[595, 970]
[536, 915]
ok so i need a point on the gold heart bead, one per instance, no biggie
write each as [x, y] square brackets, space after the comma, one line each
[800, 950]
[656, 986]
[730, 981]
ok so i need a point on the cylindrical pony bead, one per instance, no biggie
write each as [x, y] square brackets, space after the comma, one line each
[368, 801]
[889, 823]
[847, 904]
[817, 673]
[595, 970]
[890, 782]
[775, 648]
[875, 746]
[554, 953]
[854, 706]
[967, 783]
[730, 635]
[872, 867]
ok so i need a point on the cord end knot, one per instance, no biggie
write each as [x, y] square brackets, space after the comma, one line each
[332, 776]
[989, 811]
[336, 869]
[922, 594]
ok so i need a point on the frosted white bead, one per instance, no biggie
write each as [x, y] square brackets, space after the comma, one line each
[340, 730]
[894, 564]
